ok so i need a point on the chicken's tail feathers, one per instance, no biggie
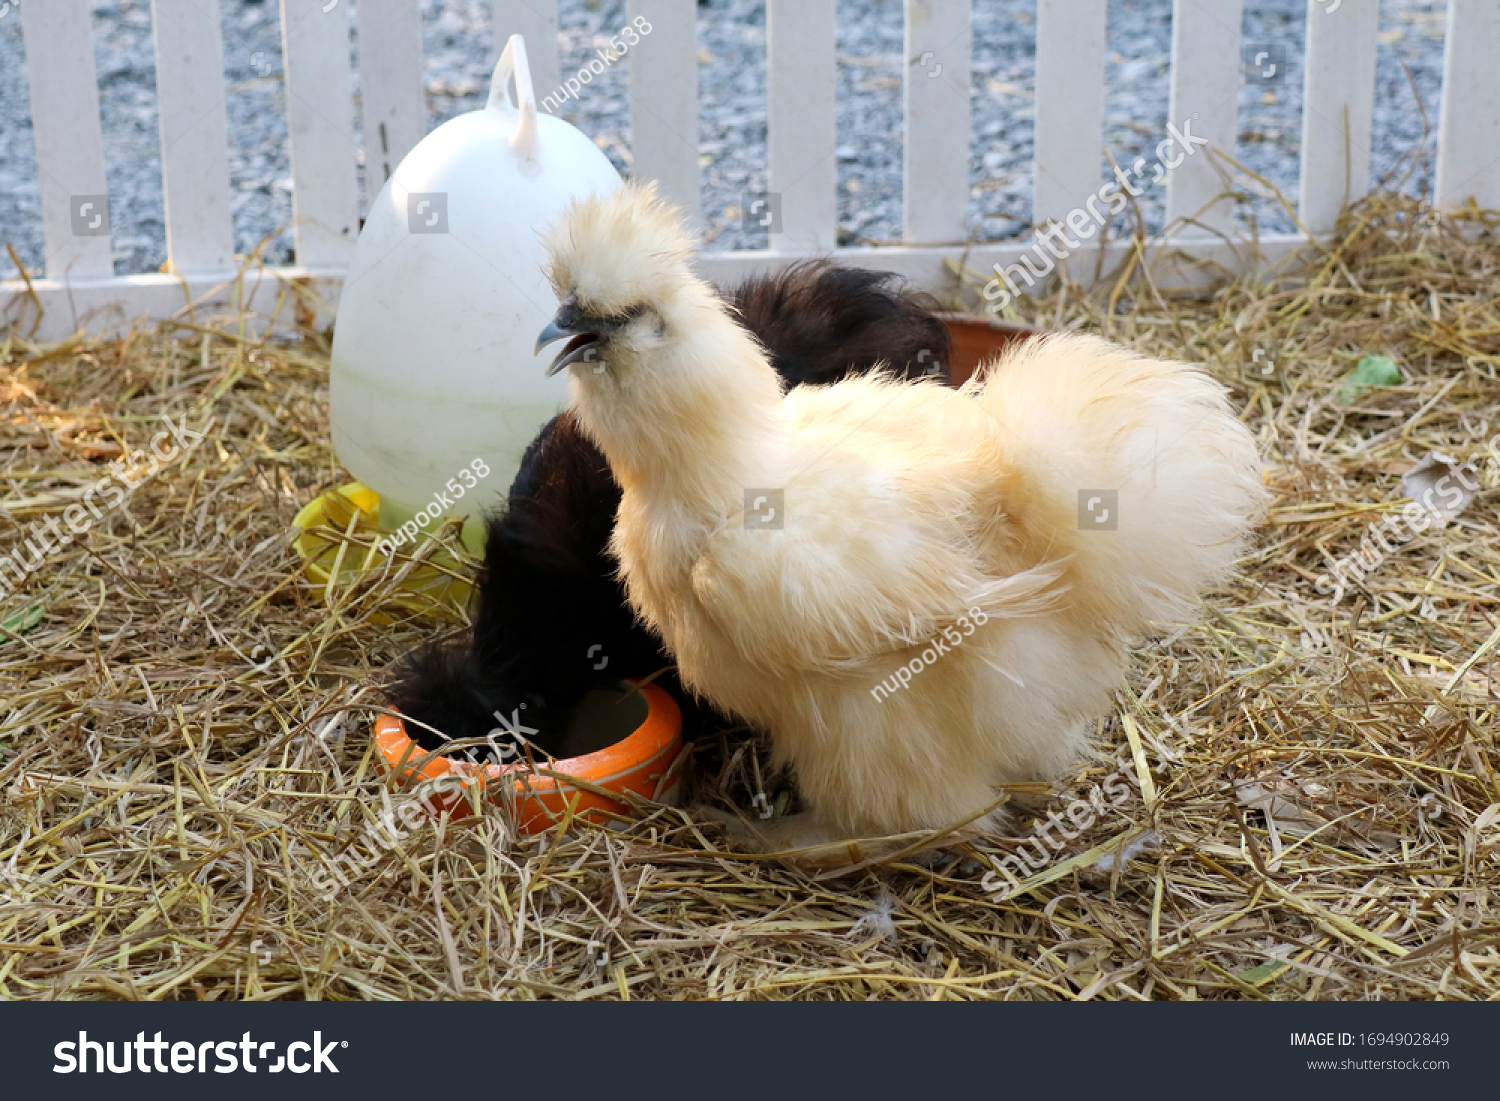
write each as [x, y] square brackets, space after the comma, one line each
[1135, 469]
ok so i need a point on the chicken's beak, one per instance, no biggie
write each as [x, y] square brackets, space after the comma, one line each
[586, 333]
[551, 335]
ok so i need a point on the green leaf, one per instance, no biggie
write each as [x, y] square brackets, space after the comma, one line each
[1371, 372]
[21, 622]
[1263, 972]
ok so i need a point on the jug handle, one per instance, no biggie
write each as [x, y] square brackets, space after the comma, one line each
[513, 62]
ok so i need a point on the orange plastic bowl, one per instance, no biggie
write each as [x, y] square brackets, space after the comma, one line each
[639, 764]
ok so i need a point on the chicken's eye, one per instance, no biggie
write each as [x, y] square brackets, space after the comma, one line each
[625, 318]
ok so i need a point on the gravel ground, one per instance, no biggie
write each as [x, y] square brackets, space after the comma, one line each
[732, 133]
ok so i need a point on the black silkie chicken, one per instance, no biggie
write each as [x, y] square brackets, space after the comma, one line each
[551, 620]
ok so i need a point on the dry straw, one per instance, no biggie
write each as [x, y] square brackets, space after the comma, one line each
[184, 746]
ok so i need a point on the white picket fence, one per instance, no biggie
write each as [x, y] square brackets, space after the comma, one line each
[80, 289]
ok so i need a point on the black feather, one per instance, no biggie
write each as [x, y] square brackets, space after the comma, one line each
[550, 618]
[820, 323]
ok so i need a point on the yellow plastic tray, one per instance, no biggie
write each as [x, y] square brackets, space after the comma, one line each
[438, 585]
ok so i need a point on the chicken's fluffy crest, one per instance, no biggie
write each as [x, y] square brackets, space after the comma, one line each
[617, 250]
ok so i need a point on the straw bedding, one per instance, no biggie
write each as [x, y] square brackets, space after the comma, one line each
[1309, 789]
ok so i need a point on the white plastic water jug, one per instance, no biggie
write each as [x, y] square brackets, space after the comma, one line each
[433, 364]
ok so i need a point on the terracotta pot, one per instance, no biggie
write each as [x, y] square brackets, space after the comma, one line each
[978, 339]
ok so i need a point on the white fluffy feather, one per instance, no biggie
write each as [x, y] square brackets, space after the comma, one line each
[907, 505]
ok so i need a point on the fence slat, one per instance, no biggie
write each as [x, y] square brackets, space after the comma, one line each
[1206, 77]
[935, 157]
[664, 100]
[1468, 160]
[393, 99]
[319, 111]
[1338, 103]
[535, 21]
[1070, 36]
[194, 136]
[69, 141]
[801, 123]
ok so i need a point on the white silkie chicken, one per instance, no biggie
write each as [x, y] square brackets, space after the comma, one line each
[908, 514]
